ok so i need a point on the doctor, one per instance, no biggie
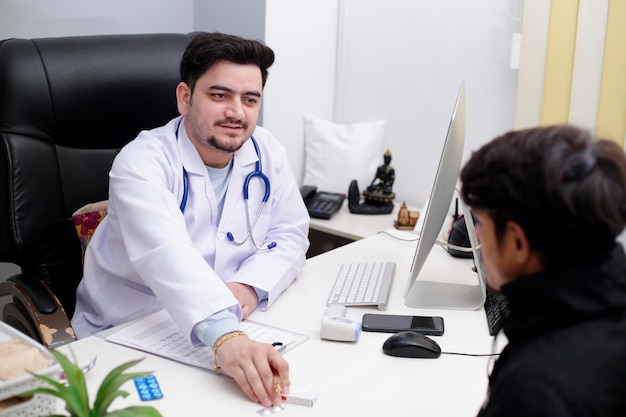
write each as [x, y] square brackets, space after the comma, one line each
[205, 218]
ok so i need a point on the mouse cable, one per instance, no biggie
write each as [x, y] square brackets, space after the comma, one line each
[471, 354]
[439, 242]
[384, 232]
[491, 356]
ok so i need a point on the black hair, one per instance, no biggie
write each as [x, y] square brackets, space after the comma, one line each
[566, 189]
[206, 49]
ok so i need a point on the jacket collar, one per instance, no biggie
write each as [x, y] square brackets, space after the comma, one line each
[590, 289]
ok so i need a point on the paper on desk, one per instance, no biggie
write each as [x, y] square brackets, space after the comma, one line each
[158, 334]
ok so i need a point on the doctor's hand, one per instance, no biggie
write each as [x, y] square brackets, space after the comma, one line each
[246, 296]
[258, 368]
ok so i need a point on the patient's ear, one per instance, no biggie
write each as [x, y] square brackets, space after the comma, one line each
[526, 258]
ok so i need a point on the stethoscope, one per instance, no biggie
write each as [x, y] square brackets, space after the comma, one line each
[258, 172]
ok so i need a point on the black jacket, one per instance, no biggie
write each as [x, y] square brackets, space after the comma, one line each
[567, 343]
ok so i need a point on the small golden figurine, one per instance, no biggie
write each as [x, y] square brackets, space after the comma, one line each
[406, 219]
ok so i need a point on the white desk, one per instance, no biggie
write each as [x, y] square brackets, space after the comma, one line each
[345, 227]
[351, 378]
[355, 226]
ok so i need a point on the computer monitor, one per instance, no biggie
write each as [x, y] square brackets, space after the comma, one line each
[429, 293]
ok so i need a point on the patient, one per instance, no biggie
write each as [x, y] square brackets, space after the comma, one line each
[549, 203]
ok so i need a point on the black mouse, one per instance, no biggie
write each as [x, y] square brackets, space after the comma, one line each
[410, 344]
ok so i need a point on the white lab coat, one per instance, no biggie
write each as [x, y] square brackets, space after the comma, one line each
[147, 254]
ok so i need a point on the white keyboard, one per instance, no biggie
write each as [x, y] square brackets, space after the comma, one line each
[363, 284]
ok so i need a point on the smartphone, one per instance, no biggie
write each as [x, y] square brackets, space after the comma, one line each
[392, 323]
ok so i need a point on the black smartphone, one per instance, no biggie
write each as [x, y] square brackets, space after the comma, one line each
[393, 323]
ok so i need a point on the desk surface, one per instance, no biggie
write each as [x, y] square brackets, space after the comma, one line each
[351, 378]
[355, 226]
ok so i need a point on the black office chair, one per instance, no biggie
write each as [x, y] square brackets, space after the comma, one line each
[67, 105]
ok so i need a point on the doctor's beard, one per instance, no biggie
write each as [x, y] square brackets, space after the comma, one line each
[228, 145]
[218, 145]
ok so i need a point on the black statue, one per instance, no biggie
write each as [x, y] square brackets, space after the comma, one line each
[378, 197]
[385, 176]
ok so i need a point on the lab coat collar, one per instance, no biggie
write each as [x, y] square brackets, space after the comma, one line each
[192, 161]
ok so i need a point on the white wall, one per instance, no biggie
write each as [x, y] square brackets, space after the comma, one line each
[401, 60]
[41, 18]
[237, 17]
[405, 61]
[302, 79]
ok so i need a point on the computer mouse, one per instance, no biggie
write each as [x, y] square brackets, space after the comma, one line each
[410, 344]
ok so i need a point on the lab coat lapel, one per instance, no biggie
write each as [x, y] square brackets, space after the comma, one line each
[196, 171]
[189, 155]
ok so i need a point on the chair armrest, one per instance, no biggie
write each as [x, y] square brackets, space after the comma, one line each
[35, 307]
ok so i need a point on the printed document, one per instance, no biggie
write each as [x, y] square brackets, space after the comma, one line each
[158, 334]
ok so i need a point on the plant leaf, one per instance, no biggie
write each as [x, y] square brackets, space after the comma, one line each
[109, 389]
[74, 394]
[43, 390]
[109, 392]
[137, 411]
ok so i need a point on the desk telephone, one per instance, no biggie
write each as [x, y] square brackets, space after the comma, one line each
[321, 204]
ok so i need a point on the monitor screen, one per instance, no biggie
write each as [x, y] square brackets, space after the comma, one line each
[432, 294]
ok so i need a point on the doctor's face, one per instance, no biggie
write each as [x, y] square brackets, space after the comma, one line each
[223, 110]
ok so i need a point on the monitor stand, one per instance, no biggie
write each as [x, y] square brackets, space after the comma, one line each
[425, 293]
[443, 295]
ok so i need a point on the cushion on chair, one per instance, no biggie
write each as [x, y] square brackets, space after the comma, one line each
[86, 220]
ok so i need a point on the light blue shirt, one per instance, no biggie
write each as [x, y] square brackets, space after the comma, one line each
[219, 181]
[224, 321]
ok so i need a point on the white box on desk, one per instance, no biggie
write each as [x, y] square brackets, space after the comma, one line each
[39, 404]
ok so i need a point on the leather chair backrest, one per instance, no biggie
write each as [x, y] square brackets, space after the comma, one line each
[67, 105]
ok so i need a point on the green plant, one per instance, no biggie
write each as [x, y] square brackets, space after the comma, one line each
[74, 392]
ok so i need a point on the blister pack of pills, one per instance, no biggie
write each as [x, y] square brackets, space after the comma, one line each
[148, 388]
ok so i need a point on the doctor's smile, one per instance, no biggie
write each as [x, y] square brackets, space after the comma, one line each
[232, 126]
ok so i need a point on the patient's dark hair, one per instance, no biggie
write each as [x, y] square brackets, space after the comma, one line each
[206, 49]
[566, 189]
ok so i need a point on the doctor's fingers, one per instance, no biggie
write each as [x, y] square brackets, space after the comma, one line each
[248, 363]
[280, 368]
[270, 380]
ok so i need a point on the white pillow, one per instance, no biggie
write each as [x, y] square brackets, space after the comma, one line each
[336, 154]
